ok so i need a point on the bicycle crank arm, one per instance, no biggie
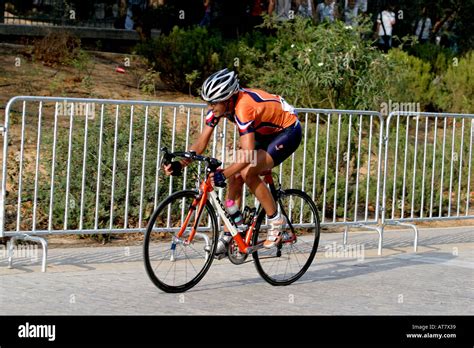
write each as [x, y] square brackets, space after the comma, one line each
[254, 248]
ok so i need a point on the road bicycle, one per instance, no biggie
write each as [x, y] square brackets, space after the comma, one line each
[182, 233]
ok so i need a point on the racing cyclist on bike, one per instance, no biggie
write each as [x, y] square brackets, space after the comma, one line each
[266, 123]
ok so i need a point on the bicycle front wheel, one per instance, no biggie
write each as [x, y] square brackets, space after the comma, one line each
[288, 261]
[173, 264]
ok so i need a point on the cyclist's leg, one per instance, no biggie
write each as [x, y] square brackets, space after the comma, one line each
[285, 143]
[234, 192]
[251, 176]
[235, 188]
[271, 153]
[278, 149]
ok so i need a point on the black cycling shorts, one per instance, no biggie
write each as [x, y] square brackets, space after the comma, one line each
[282, 144]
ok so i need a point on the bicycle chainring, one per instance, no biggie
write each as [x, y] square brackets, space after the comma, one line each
[234, 254]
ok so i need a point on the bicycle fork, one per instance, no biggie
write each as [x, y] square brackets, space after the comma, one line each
[177, 239]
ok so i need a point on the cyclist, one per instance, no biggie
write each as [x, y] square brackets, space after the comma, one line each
[266, 123]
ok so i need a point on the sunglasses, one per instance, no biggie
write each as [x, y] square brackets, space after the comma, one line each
[219, 102]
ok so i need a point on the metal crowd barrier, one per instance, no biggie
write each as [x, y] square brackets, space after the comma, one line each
[427, 168]
[91, 166]
[346, 148]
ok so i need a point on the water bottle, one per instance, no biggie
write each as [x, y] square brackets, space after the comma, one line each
[234, 212]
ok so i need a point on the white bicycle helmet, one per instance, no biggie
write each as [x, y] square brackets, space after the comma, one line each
[220, 86]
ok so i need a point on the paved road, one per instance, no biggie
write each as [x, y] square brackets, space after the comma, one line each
[439, 279]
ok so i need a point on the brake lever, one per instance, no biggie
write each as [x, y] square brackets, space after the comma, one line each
[167, 156]
[163, 161]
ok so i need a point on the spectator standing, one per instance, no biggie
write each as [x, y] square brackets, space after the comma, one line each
[385, 23]
[280, 8]
[361, 6]
[445, 31]
[305, 8]
[254, 11]
[351, 10]
[326, 11]
[129, 24]
[206, 20]
[135, 9]
[423, 27]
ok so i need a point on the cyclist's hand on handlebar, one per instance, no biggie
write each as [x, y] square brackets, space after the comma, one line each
[167, 169]
[218, 178]
[174, 168]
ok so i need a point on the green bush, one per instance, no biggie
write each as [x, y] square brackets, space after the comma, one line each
[439, 57]
[317, 66]
[455, 89]
[181, 52]
[410, 79]
[324, 66]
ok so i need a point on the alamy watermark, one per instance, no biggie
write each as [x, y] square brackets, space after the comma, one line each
[28, 330]
[391, 106]
[348, 251]
[231, 156]
[77, 109]
[25, 251]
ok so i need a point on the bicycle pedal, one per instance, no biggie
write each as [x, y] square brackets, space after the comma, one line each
[288, 237]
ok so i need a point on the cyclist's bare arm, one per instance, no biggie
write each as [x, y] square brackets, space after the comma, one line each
[199, 146]
[201, 142]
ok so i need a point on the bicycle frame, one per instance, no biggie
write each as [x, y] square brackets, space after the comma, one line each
[246, 239]
[206, 191]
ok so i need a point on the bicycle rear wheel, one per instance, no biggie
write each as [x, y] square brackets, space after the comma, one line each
[173, 265]
[286, 263]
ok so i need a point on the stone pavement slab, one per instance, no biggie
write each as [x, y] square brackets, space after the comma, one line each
[438, 280]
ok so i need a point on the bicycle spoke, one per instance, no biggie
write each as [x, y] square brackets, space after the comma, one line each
[192, 265]
[295, 257]
[173, 264]
[297, 260]
[197, 252]
[163, 259]
[179, 271]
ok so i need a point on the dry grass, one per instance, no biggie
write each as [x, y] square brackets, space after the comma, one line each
[56, 49]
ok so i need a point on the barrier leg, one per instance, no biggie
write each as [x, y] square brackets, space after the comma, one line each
[344, 241]
[11, 245]
[415, 230]
[380, 232]
[44, 244]
[42, 241]
[413, 227]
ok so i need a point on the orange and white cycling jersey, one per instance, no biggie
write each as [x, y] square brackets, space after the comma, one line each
[260, 112]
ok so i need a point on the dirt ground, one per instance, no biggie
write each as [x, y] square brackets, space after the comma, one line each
[20, 74]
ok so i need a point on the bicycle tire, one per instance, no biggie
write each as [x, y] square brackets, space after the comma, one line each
[257, 255]
[161, 284]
